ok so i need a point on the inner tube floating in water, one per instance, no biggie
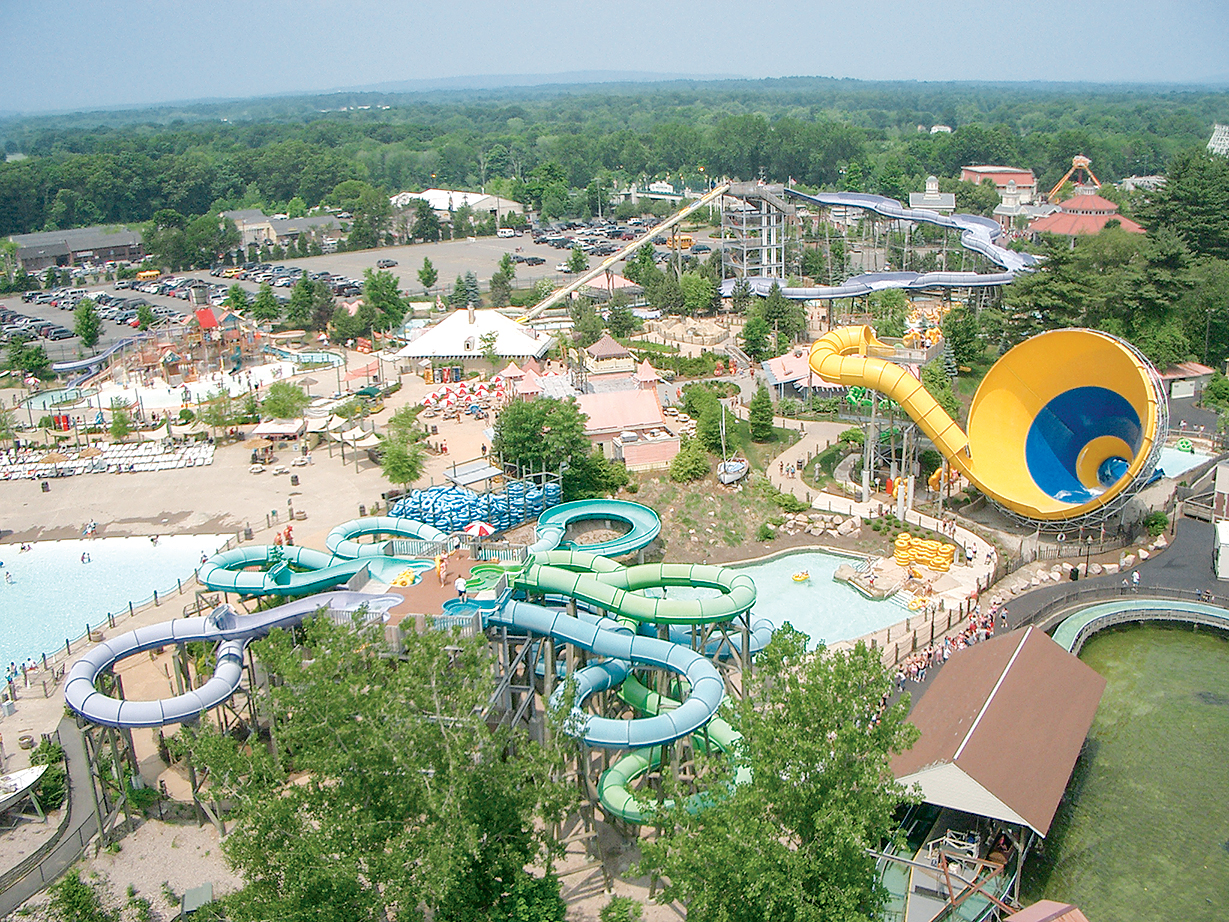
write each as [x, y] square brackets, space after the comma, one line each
[801, 577]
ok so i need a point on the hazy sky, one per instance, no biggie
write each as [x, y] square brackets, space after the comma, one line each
[65, 54]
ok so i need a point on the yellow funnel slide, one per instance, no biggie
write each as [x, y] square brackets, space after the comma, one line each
[1061, 424]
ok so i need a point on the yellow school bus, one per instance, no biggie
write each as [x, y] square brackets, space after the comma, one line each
[148, 274]
[682, 242]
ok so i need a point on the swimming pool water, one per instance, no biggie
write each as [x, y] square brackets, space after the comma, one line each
[54, 595]
[821, 608]
[1175, 463]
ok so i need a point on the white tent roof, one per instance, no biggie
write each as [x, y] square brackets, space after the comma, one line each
[280, 427]
[455, 337]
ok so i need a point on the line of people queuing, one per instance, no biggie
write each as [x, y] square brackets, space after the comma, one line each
[980, 627]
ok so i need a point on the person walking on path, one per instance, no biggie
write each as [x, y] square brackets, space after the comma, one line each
[460, 586]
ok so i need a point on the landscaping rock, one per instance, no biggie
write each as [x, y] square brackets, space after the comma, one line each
[1143, 554]
[1110, 568]
[1126, 561]
[1095, 569]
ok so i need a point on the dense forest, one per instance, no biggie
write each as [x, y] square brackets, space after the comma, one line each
[125, 167]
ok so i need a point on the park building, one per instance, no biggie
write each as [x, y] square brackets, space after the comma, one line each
[79, 246]
[258, 229]
[932, 199]
[458, 339]
[1083, 214]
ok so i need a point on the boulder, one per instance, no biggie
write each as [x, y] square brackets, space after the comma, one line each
[1095, 569]
[1160, 542]
[1110, 568]
[1143, 554]
[1126, 561]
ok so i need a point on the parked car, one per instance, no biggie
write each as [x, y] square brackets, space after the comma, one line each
[385, 263]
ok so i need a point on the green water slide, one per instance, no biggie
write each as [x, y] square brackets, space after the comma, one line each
[614, 787]
[617, 589]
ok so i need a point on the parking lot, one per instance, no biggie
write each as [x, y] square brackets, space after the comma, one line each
[450, 258]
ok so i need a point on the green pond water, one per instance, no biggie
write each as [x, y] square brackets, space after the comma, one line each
[1143, 832]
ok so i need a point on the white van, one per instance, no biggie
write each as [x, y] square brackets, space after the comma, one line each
[505, 232]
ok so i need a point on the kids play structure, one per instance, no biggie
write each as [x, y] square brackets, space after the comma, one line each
[1064, 428]
[663, 655]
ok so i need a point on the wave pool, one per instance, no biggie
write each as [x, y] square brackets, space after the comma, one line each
[53, 595]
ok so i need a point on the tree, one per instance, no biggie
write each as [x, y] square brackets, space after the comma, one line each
[87, 323]
[939, 385]
[577, 261]
[641, 266]
[121, 419]
[402, 462]
[237, 299]
[487, 341]
[889, 310]
[691, 462]
[29, 359]
[541, 434]
[426, 228]
[960, 330]
[265, 308]
[742, 296]
[501, 282]
[759, 414]
[621, 320]
[1193, 202]
[403, 426]
[591, 474]
[708, 426]
[390, 759]
[427, 275]
[284, 400]
[756, 341]
[473, 294]
[323, 306]
[146, 317]
[787, 319]
[698, 291]
[380, 292]
[299, 311]
[586, 323]
[218, 410]
[817, 739]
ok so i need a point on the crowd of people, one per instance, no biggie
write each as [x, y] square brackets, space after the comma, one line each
[980, 627]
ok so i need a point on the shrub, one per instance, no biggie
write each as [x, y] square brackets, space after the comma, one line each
[53, 787]
[1156, 522]
[765, 532]
[852, 436]
[633, 488]
[691, 463]
[621, 909]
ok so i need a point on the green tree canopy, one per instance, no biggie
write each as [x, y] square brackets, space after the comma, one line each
[427, 275]
[404, 795]
[380, 291]
[759, 414]
[757, 338]
[284, 400]
[265, 308]
[817, 740]
[542, 433]
[402, 462]
[87, 323]
[237, 299]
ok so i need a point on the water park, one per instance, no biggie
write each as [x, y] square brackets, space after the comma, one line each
[581, 610]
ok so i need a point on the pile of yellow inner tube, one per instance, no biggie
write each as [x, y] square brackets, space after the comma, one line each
[934, 554]
[404, 578]
[915, 604]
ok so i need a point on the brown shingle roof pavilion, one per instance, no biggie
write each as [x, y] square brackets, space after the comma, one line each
[608, 348]
[1001, 727]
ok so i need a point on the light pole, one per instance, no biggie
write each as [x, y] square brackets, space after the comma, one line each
[1087, 554]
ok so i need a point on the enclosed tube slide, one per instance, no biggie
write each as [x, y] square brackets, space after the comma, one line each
[1062, 424]
[224, 626]
[614, 787]
[861, 285]
[605, 638]
[643, 525]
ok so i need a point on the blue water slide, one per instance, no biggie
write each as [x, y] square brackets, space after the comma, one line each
[861, 285]
[643, 526]
[224, 626]
[64, 368]
[977, 233]
[341, 539]
[608, 639]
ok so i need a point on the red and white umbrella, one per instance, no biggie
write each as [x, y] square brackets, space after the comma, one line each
[479, 529]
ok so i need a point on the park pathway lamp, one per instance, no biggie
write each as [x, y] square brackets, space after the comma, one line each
[1087, 554]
